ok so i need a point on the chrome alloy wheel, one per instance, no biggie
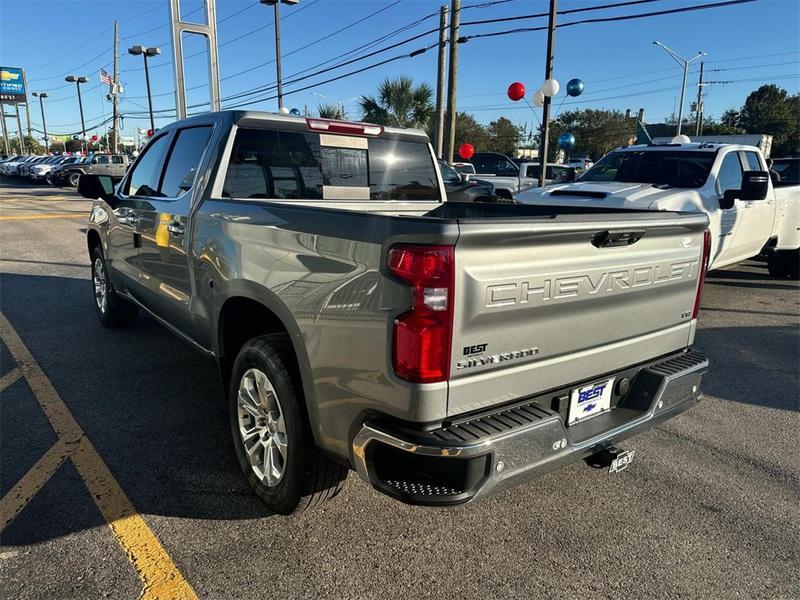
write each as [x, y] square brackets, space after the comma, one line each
[100, 285]
[261, 427]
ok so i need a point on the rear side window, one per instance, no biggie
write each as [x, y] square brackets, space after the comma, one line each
[292, 165]
[144, 178]
[117, 160]
[187, 150]
[101, 160]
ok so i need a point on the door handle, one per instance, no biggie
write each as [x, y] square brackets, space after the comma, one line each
[176, 228]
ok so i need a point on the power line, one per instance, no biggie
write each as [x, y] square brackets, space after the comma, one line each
[560, 12]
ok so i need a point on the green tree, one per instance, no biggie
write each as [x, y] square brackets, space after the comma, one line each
[32, 145]
[399, 103]
[771, 110]
[332, 111]
[712, 127]
[504, 136]
[596, 132]
[469, 131]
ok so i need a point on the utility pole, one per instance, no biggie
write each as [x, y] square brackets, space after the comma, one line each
[27, 109]
[452, 80]
[21, 135]
[699, 112]
[440, 81]
[115, 89]
[5, 131]
[548, 73]
[42, 96]
[683, 62]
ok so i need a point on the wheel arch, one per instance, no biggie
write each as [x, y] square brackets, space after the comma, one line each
[249, 311]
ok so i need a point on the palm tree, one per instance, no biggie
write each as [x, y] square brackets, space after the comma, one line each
[332, 111]
[399, 104]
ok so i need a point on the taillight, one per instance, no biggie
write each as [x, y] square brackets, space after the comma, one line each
[344, 127]
[423, 334]
[703, 268]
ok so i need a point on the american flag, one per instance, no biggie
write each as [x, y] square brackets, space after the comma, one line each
[106, 78]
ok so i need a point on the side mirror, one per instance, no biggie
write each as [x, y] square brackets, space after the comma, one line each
[728, 198]
[463, 177]
[95, 187]
[755, 185]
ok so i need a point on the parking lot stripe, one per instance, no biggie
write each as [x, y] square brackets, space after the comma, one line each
[26, 488]
[9, 378]
[76, 215]
[160, 576]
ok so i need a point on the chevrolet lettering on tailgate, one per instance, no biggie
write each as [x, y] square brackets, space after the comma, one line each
[575, 286]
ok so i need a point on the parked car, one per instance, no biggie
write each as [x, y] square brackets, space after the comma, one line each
[555, 173]
[11, 168]
[40, 170]
[464, 167]
[728, 182]
[580, 164]
[113, 165]
[24, 169]
[460, 189]
[443, 350]
[57, 176]
[502, 172]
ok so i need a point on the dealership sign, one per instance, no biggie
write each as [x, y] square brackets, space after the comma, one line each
[12, 85]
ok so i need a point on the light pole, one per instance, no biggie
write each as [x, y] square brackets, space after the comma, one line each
[135, 51]
[78, 81]
[42, 96]
[275, 4]
[683, 62]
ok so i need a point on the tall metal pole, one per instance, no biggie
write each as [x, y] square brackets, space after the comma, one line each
[548, 73]
[699, 111]
[452, 80]
[44, 126]
[80, 106]
[684, 63]
[19, 128]
[683, 98]
[149, 98]
[278, 54]
[440, 81]
[115, 89]
[5, 131]
[27, 109]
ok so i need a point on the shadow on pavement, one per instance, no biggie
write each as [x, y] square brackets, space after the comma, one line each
[151, 405]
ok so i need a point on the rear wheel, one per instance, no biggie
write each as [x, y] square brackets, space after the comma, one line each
[112, 310]
[73, 179]
[271, 434]
[784, 264]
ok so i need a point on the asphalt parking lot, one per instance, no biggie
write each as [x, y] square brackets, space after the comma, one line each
[118, 478]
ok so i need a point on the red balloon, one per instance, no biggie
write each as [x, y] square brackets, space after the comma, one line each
[94, 138]
[466, 151]
[516, 91]
[150, 133]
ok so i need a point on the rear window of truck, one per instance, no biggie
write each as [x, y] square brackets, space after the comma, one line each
[292, 165]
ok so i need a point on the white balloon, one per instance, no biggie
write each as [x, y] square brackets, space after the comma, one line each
[551, 87]
[681, 139]
[538, 98]
[283, 110]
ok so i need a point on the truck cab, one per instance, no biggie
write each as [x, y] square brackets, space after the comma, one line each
[728, 182]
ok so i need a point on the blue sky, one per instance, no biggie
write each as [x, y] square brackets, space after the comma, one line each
[747, 45]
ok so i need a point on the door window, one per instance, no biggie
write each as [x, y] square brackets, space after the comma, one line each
[100, 160]
[753, 163]
[730, 173]
[144, 178]
[184, 161]
[117, 160]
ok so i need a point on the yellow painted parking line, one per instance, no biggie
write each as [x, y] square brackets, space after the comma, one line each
[26, 488]
[159, 575]
[9, 378]
[32, 216]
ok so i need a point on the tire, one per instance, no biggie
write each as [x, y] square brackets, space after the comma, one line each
[775, 264]
[483, 199]
[299, 476]
[73, 177]
[112, 310]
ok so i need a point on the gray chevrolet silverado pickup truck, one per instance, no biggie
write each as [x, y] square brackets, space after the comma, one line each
[442, 350]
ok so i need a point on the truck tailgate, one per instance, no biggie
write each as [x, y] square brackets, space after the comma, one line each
[543, 303]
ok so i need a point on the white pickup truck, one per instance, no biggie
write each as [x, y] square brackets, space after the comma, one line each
[746, 209]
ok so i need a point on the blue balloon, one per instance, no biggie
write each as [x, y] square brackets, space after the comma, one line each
[295, 112]
[574, 87]
[566, 141]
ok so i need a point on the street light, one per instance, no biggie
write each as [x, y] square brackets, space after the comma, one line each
[41, 96]
[78, 81]
[685, 64]
[275, 4]
[135, 51]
